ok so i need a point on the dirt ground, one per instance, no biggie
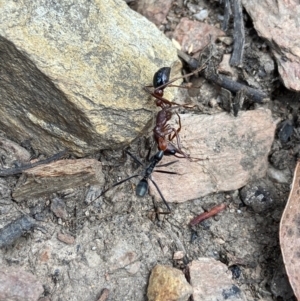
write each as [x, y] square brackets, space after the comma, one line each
[119, 223]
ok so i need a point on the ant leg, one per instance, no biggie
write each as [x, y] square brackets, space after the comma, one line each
[138, 161]
[178, 130]
[177, 138]
[163, 100]
[167, 164]
[148, 154]
[167, 172]
[116, 184]
[161, 195]
[178, 147]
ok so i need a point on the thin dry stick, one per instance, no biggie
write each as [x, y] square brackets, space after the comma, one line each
[17, 170]
[239, 35]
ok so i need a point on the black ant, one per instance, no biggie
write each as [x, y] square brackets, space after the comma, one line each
[142, 187]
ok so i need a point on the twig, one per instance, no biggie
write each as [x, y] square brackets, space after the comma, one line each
[225, 82]
[17, 170]
[227, 13]
[193, 63]
[238, 34]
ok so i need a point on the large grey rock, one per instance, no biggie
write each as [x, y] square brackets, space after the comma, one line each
[72, 73]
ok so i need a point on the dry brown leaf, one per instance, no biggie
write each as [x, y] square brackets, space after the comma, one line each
[290, 234]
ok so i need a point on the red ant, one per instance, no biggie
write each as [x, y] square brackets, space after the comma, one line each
[163, 132]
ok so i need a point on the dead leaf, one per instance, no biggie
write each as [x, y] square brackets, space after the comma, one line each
[290, 234]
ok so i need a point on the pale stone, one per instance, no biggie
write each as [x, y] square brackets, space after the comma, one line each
[17, 284]
[234, 151]
[212, 281]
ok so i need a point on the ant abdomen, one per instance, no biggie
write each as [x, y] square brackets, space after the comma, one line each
[141, 188]
[161, 77]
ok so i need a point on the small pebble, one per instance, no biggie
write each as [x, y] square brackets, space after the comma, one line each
[168, 283]
[278, 176]
[259, 195]
[178, 255]
[286, 130]
[193, 8]
[211, 280]
[66, 238]
[202, 15]
[104, 295]
[226, 40]
[58, 207]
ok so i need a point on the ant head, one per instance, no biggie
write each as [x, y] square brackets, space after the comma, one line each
[170, 150]
[167, 148]
[161, 77]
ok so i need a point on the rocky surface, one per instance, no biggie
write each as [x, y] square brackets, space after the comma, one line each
[212, 280]
[194, 36]
[234, 151]
[278, 22]
[72, 75]
[106, 251]
[18, 285]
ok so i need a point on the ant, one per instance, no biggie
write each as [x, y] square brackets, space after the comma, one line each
[163, 133]
[142, 187]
